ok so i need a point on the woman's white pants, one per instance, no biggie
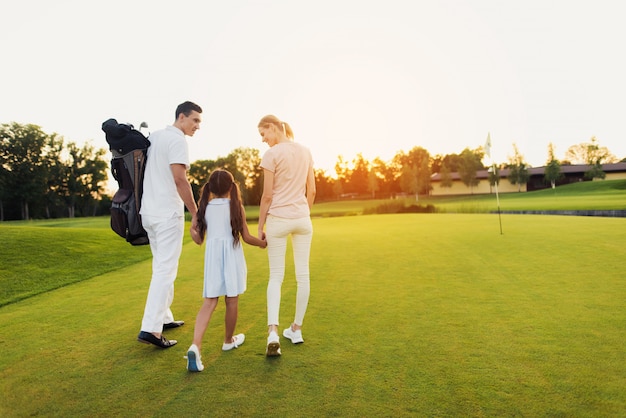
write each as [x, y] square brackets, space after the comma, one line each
[277, 231]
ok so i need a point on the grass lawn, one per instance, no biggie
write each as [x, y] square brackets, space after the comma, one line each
[41, 256]
[598, 195]
[410, 315]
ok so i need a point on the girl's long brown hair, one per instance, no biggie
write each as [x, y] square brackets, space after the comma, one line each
[222, 182]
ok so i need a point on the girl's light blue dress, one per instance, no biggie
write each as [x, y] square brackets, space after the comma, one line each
[225, 269]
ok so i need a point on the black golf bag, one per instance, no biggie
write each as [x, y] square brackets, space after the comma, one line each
[129, 148]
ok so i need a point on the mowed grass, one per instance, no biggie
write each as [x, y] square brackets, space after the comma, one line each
[68, 250]
[596, 195]
[410, 315]
[41, 256]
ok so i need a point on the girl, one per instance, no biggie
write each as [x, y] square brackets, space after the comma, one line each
[222, 218]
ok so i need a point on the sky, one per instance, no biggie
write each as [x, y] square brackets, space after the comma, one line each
[349, 76]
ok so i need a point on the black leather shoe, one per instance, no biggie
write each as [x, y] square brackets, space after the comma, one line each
[149, 338]
[174, 324]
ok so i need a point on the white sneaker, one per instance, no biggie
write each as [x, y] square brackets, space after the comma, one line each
[194, 363]
[294, 336]
[237, 341]
[273, 345]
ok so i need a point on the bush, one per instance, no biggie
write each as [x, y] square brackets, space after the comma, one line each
[399, 207]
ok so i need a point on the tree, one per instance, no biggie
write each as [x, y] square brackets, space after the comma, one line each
[83, 179]
[372, 183]
[93, 178]
[24, 174]
[470, 163]
[243, 163]
[595, 172]
[358, 177]
[453, 162]
[338, 188]
[552, 171]
[590, 153]
[387, 177]
[423, 177]
[248, 173]
[4, 174]
[42, 176]
[323, 185]
[436, 164]
[418, 161]
[446, 176]
[56, 172]
[518, 169]
[494, 176]
[199, 172]
[408, 180]
[342, 170]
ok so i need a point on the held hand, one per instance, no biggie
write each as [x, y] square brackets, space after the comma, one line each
[195, 235]
[263, 244]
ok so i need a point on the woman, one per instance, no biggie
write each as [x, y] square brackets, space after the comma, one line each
[288, 195]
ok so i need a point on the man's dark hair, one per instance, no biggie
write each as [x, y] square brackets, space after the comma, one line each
[186, 108]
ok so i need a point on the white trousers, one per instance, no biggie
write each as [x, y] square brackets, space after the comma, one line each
[277, 230]
[166, 241]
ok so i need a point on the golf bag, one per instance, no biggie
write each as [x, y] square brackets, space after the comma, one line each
[129, 148]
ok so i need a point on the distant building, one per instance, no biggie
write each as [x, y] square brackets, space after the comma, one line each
[571, 174]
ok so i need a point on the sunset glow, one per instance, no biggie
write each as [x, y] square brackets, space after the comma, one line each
[349, 76]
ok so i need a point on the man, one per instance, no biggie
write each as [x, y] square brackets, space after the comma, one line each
[166, 193]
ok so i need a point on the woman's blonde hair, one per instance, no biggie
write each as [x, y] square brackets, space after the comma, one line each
[273, 120]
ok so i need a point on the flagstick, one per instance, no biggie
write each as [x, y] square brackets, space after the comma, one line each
[496, 175]
[498, 197]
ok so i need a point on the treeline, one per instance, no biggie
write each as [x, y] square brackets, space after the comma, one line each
[407, 173]
[41, 176]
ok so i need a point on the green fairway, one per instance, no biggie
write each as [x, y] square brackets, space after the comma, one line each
[41, 256]
[410, 315]
[597, 195]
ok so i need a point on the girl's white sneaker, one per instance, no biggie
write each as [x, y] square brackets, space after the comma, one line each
[194, 363]
[237, 341]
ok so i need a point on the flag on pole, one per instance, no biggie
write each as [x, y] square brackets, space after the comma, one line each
[495, 172]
